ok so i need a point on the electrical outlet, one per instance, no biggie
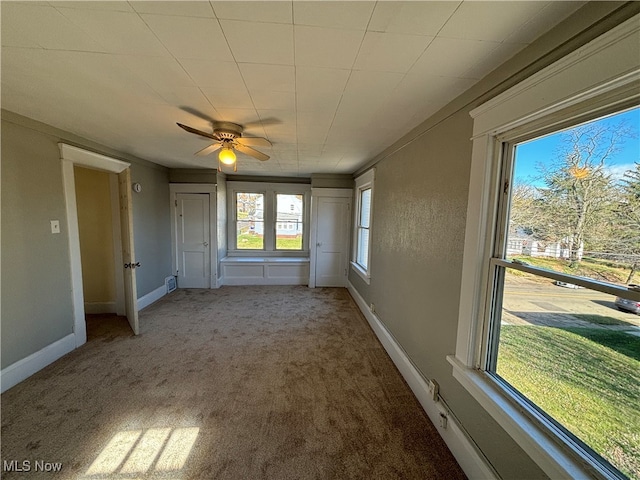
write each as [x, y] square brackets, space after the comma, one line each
[55, 226]
[372, 307]
[434, 390]
[443, 420]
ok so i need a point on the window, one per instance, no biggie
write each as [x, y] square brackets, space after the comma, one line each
[268, 217]
[289, 214]
[570, 220]
[249, 221]
[362, 236]
[541, 344]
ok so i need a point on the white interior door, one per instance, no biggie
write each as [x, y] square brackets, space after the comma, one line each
[193, 240]
[332, 241]
[128, 254]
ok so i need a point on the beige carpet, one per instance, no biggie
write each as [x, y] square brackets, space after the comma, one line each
[235, 383]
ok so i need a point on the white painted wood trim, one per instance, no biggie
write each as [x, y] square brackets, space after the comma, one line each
[207, 188]
[604, 63]
[75, 264]
[117, 243]
[471, 460]
[23, 369]
[332, 192]
[91, 159]
[152, 296]
[71, 156]
[313, 234]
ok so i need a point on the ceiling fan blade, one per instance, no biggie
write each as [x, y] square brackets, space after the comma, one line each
[197, 113]
[253, 141]
[197, 132]
[251, 152]
[210, 149]
[263, 123]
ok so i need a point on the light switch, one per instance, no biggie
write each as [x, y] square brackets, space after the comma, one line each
[55, 226]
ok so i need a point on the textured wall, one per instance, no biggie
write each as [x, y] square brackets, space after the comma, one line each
[36, 279]
[151, 227]
[93, 197]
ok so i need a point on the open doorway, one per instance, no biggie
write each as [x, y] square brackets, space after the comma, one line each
[124, 266]
[100, 252]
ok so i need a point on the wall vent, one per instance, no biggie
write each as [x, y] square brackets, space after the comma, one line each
[170, 283]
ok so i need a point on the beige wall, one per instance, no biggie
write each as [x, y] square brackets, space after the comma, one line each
[93, 198]
[37, 308]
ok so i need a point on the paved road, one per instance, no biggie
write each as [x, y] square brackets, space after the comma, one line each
[526, 302]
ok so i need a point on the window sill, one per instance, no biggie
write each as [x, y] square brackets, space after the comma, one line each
[360, 271]
[520, 421]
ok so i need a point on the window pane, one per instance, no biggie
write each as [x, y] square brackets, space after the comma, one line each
[365, 207]
[575, 201]
[289, 217]
[249, 221]
[575, 208]
[363, 248]
[575, 355]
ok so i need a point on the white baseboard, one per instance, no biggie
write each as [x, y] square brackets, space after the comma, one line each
[23, 369]
[471, 460]
[99, 307]
[152, 296]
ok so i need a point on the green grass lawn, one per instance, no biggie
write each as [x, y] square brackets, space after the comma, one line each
[588, 379]
[248, 241]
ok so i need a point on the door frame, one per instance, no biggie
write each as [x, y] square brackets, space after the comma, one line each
[207, 188]
[316, 193]
[71, 156]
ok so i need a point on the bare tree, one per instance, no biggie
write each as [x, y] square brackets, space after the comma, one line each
[578, 198]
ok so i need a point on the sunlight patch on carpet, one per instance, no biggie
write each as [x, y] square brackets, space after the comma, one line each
[134, 452]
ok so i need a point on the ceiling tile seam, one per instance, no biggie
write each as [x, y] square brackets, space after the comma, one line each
[521, 25]
[290, 22]
[154, 56]
[80, 27]
[239, 71]
[351, 70]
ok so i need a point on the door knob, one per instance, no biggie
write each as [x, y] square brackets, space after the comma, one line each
[206, 244]
[319, 244]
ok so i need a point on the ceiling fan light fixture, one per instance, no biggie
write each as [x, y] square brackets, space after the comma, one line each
[227, 156]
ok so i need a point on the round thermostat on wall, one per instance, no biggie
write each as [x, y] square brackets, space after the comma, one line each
[136, 187]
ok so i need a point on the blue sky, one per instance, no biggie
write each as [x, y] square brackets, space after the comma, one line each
[544, 149]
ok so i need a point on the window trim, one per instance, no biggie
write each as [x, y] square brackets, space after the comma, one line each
[363, 182]
[601, 76]
[269, 190]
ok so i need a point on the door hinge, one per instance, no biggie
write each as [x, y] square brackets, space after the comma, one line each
[176, 202]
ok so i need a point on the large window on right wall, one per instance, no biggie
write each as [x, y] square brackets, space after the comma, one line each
[548, 336]
[563, 328]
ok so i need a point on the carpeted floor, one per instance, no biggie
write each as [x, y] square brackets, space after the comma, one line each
[235, 383]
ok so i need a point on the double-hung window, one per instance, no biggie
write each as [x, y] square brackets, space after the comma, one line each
[270, 218]
[546, 341]
[290, 221]
[362, 227]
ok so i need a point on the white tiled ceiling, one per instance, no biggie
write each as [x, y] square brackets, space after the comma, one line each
[331, 84]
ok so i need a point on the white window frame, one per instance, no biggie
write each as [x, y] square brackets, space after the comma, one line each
[363, 182]
[600, 77]
[269, 190]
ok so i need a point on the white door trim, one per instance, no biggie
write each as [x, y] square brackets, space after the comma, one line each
[313, 234]
[211, 189]
[69, 157]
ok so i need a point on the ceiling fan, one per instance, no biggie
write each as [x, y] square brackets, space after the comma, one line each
[228, 137]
